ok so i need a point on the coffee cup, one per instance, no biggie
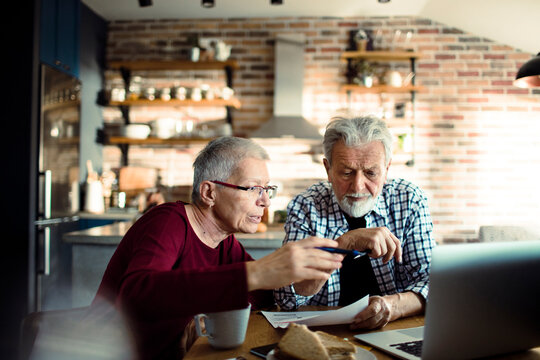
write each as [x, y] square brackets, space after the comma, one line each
[225, 329]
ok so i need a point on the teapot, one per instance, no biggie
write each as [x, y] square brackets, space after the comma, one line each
[223, 51]
[393, 78]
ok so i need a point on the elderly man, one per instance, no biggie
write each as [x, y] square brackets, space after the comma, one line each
[361, 210]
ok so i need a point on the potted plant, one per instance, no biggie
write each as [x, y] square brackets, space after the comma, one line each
[364, 73]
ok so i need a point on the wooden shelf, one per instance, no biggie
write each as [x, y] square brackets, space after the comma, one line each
[379, 89]
[175, 102]
[119, 140]
[381, 55]
[172, 65]
[69, 140]
[61, 105]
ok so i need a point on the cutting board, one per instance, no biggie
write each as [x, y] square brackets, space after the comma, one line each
[136, 178]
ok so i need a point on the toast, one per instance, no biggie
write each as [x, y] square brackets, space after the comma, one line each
[300, 343]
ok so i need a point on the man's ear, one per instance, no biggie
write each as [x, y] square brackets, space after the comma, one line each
[327, 167]
[208, 193]
[387, 168]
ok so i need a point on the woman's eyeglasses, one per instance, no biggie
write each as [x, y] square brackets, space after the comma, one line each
[259, 190]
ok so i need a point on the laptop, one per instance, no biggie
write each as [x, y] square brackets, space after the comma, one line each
[484, 300]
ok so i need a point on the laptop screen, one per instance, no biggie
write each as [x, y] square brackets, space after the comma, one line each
[483, 300]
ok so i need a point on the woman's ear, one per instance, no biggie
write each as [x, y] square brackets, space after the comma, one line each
[208, 193]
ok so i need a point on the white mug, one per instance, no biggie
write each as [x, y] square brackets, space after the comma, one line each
[225, 329]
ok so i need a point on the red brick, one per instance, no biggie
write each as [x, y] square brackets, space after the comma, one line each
[468, 73]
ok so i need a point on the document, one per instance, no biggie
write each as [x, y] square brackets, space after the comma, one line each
[344, 315]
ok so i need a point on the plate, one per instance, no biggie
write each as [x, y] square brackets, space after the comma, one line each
[361, 354]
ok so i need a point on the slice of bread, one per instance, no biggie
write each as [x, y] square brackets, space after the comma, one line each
[334, 344]
[303, 344]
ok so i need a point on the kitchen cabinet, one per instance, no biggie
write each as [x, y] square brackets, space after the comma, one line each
[127, 68]
[59, 34]
[386, 57]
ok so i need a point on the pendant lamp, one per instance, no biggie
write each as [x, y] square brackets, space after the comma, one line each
[528, 75]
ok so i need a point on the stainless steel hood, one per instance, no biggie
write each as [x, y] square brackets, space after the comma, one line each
[287, 120]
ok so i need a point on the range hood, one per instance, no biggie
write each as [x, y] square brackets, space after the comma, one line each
[287, 120]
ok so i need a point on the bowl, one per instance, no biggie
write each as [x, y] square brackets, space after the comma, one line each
[136, 131]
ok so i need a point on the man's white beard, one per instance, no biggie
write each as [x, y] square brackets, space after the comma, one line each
[357, 208]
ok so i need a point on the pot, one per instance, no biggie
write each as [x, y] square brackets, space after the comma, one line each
[135, 131]
[393, 78]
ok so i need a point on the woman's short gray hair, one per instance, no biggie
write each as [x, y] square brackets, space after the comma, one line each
[220, 158]
[356, 131]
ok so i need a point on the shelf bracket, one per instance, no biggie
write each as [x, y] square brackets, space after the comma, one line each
[125, 113]
[229, 75]
[124, 148]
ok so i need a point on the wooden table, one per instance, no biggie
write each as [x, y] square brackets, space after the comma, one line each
[260, 332]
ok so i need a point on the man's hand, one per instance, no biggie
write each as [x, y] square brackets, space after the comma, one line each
[379, 241]
[376, 315]
[295, 261]
[383, 309]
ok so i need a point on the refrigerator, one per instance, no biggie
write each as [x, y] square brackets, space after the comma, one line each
[58, 186]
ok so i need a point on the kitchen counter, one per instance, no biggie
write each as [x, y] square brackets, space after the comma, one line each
[111, 214]
[113, 233]
[92, 249]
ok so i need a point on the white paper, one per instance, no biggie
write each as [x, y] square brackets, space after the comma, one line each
[344, 315]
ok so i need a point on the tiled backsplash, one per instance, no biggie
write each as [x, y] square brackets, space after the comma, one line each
[477, 136]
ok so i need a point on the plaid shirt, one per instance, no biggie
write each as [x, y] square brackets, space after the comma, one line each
[401, 207]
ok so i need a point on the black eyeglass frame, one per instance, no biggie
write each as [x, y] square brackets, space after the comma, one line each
[251, 188]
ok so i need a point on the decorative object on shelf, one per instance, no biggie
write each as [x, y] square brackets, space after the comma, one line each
[401, 41]
[223, 51]
[365, 73]
[194, 51]
[361, 39]
[393, 78]
[528, 75]
[166, 128]
[135, 131]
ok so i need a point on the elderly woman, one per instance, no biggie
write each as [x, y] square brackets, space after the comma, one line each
[181, 259]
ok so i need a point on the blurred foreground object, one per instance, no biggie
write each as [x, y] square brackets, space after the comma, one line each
[528, 75]
[78, 333]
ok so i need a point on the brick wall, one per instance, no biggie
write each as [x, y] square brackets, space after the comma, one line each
[477, 136]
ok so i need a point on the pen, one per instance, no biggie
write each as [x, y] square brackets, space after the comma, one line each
[356, 253]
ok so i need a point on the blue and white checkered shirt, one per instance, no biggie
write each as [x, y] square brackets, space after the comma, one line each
[401, 207]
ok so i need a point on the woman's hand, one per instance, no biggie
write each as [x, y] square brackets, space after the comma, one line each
[294, 262]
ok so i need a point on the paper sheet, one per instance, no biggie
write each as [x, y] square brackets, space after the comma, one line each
[345, 315]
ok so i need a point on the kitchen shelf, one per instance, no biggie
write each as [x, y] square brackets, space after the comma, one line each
[126, 68]
[381, 89]
[235, 103]
[119, 140]
[61, 105]
[388, 57]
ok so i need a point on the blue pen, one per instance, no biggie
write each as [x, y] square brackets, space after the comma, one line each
[356, 253]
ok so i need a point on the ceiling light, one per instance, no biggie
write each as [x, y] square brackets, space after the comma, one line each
[143, 3]
[276, 2]
[384, 1]
[528, 75]
[207, 3]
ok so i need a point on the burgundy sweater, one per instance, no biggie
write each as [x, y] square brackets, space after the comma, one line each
[162, 274]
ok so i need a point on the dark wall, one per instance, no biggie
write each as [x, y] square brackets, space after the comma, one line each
[19, 165]
[92, 64]
[19, 119]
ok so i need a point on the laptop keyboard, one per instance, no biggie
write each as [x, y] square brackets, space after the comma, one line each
[410, 347]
